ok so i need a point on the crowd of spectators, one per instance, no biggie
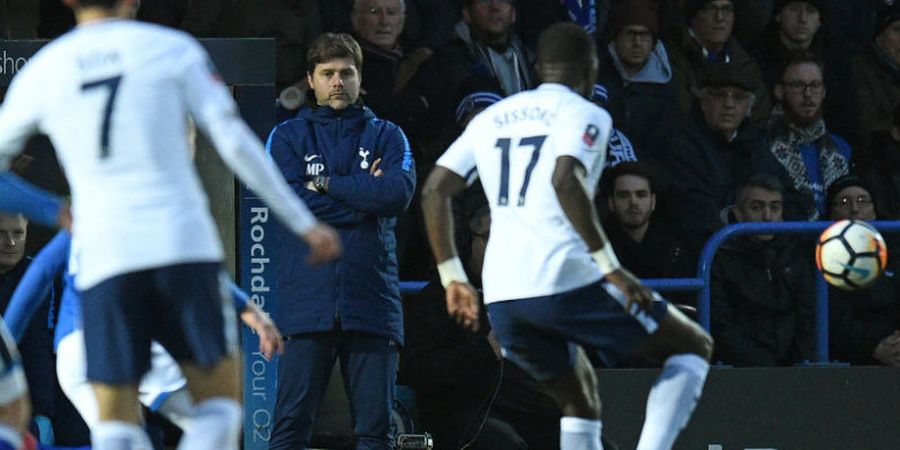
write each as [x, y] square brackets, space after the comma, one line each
[725, 111]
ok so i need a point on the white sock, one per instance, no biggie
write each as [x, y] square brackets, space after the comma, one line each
[672, 400]
[576, 433]
[115, 435]
[178, 407]
[216, 425]
[9, 436]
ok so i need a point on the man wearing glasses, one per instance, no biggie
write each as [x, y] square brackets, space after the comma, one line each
[636, 71]
[708, 41]
[865, 324]
[717, 150]
[799, 139]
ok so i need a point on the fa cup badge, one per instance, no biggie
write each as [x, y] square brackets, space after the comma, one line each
[364, 164]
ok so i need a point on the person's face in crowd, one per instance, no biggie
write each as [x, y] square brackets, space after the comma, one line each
[889, 41]
[379, 22]
[852, 202]
[633, 46]
[798, 23]
[713, 24]
[725, 108]
[632, 202]
[13, 232]
[336, 83]
[490, 19]
[759, 205]
[801, 92]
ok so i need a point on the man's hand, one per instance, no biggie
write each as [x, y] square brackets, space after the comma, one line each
[462, 304]
[324, 244]
[270, 341]
[374, 170]
[636, 294]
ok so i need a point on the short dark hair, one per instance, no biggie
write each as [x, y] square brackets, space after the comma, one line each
[760, 181]
[566, 43]
[635, 168]
[329, 46]
[802, 57]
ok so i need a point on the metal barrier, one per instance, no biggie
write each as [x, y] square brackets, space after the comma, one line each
[791, 228]
[704, 268]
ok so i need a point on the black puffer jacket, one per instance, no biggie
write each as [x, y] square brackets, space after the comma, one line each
[763, 302]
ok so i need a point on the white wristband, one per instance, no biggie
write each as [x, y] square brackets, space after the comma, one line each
[606, 259]
[452, 270]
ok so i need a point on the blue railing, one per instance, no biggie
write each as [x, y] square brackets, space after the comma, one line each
[704, 267]
[790, 228]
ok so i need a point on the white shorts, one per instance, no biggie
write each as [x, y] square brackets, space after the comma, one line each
[12, 377]
[163, 379]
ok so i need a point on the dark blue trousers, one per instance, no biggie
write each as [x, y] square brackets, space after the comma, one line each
[369, 369]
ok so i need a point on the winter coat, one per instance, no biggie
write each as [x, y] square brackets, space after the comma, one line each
[762, 299]
[361, 290]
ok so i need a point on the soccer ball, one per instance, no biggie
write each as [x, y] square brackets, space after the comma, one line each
[851, 254]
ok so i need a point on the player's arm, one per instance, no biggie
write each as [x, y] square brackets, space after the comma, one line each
[581, 143]
[18, 196]
[281, 148]
[270, 340]
[215, 112]
[440, 187]
[34, 287]
[569, 182]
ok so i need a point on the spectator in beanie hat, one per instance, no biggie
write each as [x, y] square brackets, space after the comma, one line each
[636, 72]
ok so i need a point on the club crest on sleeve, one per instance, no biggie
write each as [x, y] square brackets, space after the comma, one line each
[590, 134]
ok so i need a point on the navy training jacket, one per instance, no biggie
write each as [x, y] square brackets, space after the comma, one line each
[362, 288]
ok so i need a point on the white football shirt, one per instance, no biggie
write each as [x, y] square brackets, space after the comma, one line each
[114, 97]
[512, 146]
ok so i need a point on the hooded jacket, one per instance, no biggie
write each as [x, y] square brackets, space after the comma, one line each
[360, 291]
[641, 102]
